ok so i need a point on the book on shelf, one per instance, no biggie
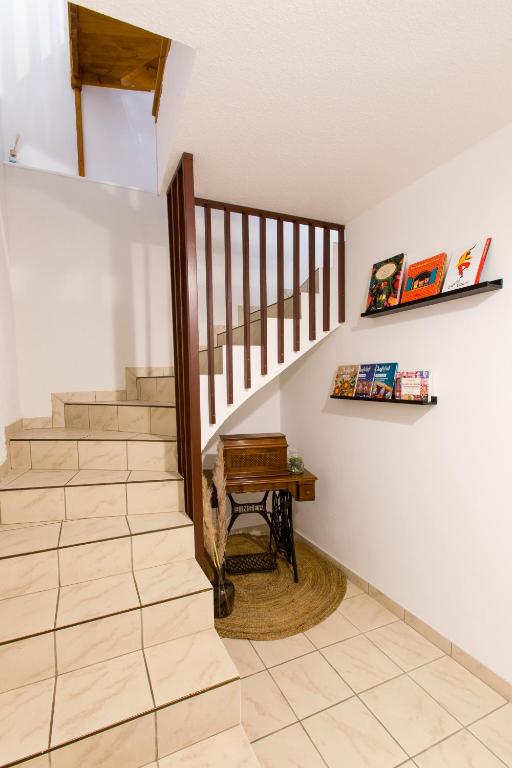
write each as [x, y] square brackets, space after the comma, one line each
[385, 283]
[365, 380]
[413, 385]
[467, 268]
[345, 381]
[424, 278]
[384, 381]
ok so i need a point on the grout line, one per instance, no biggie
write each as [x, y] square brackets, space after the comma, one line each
[314, 745]
[55, 652]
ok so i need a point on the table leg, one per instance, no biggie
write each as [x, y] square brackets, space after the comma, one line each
[282, 527]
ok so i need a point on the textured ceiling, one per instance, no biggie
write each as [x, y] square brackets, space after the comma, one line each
[325, 108]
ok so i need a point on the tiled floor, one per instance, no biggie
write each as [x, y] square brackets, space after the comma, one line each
[365, 690]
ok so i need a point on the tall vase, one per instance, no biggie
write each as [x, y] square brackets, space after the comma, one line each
[223, 594]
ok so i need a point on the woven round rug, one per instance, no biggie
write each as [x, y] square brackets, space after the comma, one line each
[269, 605]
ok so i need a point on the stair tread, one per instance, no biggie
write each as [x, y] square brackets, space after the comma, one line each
[61, 433]
[228, 749]
[122, 403]
[65, 606]
[102, 695]
[54, 478]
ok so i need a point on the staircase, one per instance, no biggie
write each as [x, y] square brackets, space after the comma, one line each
[108, 653]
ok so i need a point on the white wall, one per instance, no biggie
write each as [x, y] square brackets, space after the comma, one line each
[90, 265]
[119, 137]
[417, 500]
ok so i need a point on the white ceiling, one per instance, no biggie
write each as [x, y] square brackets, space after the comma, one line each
[325, 108]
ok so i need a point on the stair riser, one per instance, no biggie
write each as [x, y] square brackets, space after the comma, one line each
[151, 455]
[133, 744]
[26, 574]
[27, 661]
[156, 389]
[73, 502]
[157, 420]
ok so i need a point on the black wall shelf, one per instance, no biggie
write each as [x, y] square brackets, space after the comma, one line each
[432, 401]
[439, 298]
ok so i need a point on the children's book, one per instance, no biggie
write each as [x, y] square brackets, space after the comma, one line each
[345, 381]
[467, 268]
[385, 283]
[365, 380]
[424, 278]
[413, 385]
[384, 381]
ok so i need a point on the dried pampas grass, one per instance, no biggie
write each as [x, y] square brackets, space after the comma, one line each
[216, 525]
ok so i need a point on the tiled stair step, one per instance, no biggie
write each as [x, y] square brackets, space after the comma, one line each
[59, 448]
[123, 415]
[72, 626]
[156, 389]
[229, 749]
[125, 712]
[46, 495]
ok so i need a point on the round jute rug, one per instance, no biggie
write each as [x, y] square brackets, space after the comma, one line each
[269, 605]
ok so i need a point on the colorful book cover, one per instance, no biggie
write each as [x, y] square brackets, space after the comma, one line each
[467, 268]
[384, 381]
[345, 381]
[385, 283]
[365, 380]
[424, 278]
[413, 385]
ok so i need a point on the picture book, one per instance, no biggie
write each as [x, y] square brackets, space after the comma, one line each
[385, 283]
[384, 381]
[413, 385]
[365, 380]
[345, 381]
[424, 278]
[467, 268]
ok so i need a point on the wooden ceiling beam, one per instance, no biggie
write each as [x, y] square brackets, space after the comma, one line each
[164, 52]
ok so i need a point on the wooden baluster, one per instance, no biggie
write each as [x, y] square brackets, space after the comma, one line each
[341, 275]
[229, 307]
[246, 300]
[210, 331]
[263, 294]
[296, 286]
[280, 292]
[327, 280]
[312, 282]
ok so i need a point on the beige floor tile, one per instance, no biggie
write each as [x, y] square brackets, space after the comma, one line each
[110, 434]
[161, 547]
[94, 529]
[457, 690]
[145, 476]
[414, 719]
[102, 454]
[360, 663]
[28, 573]
[7, 480]
[41, 478]
[54, 454]
[366, 613]
[163, 421]
[166, 582]
[273, 652]
[333, 629]
[198, 717]
[459, 751]
[159, 497]
[146, 389]
[165, 392]
[97, 641]
[95, 500]
[134, 419]
[264, 708]
[27, 615]
[310, 684]
[155, 522]
[177, 618]
[229, 749]
[76, 416]
[26, 735]
[244, 656]
[424, 629]
[99, 476]
[129, 745]
[404, 645]
[289, 748]
[95, 561]
[152, 455]
[26, 661]
[35, 505]
[495, 731]
[188, 665]
[57, 433]
[92, 599]
[103, 417]
[31, 539]
[352, 590]
[348, 734]
[103, 694]
[19, 453]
